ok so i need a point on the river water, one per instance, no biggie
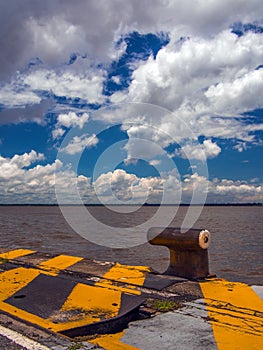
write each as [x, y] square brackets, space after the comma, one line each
[235, 253]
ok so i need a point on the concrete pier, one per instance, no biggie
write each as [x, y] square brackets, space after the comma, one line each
[67, 302]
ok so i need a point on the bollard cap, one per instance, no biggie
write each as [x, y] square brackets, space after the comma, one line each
[204, 239]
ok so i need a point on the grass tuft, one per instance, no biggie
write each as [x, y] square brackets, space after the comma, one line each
[165, 305]
[76, 346]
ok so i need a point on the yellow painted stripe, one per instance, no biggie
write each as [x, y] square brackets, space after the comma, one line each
[86, 300]
[13, 280]
[85, 304]
[112, 342]
[127, 274]
[91, 304]
[130, 275]
[12, 254]
[235, 312]
[101, 301]
[24, 315]
[53, 266]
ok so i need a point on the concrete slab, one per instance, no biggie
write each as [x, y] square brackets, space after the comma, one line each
[187, 329]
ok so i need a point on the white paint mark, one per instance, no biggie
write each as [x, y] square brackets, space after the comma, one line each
[21, 340]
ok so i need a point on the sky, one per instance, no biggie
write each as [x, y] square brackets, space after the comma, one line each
[131, 102]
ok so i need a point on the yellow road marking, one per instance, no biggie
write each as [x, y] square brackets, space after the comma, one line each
[112, 342]
[13, 280]
[92, 305]
[24, 315]
[53, 266]
[127, 274]
[12, 254]
[101, 301]
[130, 275]
[235, 312]
[85, 305]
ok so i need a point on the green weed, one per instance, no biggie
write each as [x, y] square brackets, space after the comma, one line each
[165, 305]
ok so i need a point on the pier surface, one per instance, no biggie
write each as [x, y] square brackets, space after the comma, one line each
[68, 302]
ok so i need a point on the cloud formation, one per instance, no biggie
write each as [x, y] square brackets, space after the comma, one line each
[20, 184]
[205, 84]
[11, 167]
[69, 120]
[53, 31]
[206, 71]
[209, 149]
[87, 86]
[79, 143]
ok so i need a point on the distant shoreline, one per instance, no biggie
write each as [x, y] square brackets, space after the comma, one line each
[146, 205]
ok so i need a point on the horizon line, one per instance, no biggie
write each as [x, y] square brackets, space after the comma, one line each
[145, 204]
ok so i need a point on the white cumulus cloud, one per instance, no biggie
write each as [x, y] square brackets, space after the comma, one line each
[237, 96]
[85, 85]
[208, 149]
[13, 167]
[10, 97]
[79, 143]
[204, 83]
[36, 184]
[52, 32]
[72, 119]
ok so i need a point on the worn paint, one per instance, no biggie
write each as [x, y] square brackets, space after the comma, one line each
[235, 312]
[21, 339]
[131, 276]
[126, 274]
[101, 301]
[85, 304]
[55, 265]
[12, 254]
[14, 280]
[92, 305]
[112, 342]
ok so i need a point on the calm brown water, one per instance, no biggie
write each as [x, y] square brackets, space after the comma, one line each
[236, 251]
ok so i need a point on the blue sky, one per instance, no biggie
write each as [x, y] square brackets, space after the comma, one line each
[131, 103]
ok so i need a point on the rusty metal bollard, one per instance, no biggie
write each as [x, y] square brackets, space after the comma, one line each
[188, 251]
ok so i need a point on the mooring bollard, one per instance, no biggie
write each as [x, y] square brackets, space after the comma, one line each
[188, 251]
